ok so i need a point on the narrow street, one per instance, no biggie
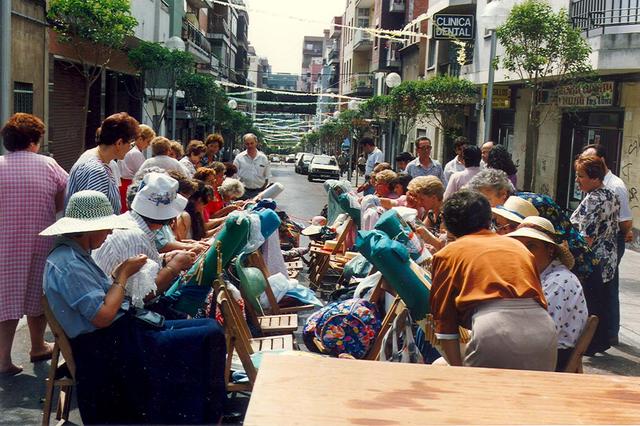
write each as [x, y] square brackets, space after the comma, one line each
[21, 396]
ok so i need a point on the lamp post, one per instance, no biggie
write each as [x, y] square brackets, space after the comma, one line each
[392, 80]
[233, 104]
[494, 15]
[174, 43]
[354, 106]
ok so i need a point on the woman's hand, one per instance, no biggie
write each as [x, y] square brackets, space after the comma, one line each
[181, 260]
[129, 267]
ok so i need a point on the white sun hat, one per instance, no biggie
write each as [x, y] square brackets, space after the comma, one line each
[542, 229]
[158, 198]
[88, 211]
[516, 209]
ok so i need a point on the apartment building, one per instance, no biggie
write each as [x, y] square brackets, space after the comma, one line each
[313, 49]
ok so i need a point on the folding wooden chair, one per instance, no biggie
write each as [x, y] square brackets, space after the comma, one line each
[62, 374]
[241, 344]
[574, 364]
[324, 259]
[256, 260]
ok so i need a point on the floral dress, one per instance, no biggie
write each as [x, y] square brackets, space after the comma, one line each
[585, 258]
[597, 218]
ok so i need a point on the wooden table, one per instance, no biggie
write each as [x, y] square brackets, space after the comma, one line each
[297, 390]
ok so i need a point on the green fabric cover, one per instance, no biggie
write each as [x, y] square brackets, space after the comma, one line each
[252, 282]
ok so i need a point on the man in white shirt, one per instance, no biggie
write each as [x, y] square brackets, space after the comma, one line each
[625, 234]
[374, 155]
[486, 149]
[471, 159]
[456, 165]
[254, 170]
[424, 165]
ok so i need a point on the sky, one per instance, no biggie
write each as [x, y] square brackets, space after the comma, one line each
[280, 38]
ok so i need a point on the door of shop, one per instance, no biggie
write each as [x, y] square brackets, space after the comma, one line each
[578, 130]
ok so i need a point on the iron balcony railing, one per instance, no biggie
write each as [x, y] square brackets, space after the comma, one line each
[589, 15]
[191, 33]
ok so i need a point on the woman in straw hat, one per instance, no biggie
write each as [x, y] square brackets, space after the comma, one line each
[562, 289]
[127, 370]
[509, 215]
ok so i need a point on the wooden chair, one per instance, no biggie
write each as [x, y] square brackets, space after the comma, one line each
[240, 343]
[61, 375]
[574, 364]
[256, 260]
[324, 259]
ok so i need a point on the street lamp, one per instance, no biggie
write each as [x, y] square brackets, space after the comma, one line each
[493, 16]
[233, 104]
[392, 80]
[353, 105]
[174, 43]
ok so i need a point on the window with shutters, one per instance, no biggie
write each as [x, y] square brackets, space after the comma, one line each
[22, 97]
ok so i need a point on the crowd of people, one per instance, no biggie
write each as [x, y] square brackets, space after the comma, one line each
[501, 257]
[122, 213]
[511, 266]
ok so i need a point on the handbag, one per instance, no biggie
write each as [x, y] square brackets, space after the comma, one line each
[399, 345]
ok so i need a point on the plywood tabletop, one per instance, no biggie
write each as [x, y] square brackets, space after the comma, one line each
[304, 390]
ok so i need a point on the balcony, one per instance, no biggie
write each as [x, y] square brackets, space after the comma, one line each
[196, 42]
[198, 4]
[361, 84]
[605, 16]
[218, 27]
[396, 6]
[392, 59]
[334, 55]
[361, 40]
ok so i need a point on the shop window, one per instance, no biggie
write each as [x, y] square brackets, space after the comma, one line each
[23, 97]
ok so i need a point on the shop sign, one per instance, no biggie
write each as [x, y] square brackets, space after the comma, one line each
[501, 96]
[595, 95]
[453, 27]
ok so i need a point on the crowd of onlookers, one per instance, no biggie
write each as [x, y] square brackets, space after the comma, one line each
[566, 263]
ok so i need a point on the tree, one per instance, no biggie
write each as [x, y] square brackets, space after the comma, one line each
[160, 68]
[404, 105]
[442, 101]
[545, 51]
[94, 29]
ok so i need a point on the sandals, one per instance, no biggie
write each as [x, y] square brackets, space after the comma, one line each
[12, 371]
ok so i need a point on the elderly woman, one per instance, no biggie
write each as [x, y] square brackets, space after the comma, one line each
[231, 190]
[193, 155]
[132, 162]
[92, 171]
[131, 367]
[425, 194]
[493, 184]
[161, 151]
[508, 216]
[488, 283]
[31, 193]
[383, 180]
[562, 289]
[177, 150]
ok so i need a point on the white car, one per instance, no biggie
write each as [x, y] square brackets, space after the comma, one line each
[323, 167]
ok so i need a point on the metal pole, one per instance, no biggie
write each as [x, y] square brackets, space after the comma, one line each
[5, 64]
[173, 109]
[489, 102]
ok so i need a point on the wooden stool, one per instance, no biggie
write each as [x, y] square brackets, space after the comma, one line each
[62, 375]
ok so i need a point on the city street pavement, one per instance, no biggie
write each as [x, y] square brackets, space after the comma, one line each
[21, 396]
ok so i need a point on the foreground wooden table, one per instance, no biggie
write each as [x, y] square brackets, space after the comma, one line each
[293, 389]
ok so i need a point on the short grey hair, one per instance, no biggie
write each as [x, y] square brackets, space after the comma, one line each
[493, 179]
[231, 189]
[250, 136]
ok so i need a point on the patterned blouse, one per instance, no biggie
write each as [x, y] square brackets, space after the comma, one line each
[565, 303]
[597, 218]
[585, 258]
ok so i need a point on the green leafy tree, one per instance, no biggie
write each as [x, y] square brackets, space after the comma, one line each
[160, 68]
[442, 100]
[94, 29]
[404, 105]
[545, 51]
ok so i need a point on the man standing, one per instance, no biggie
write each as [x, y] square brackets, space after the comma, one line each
[625, 234]
[486, 149]
[253, 166]
[456, 165]
[424, 165]
[374, 155]
[402, 160]
[471, 160]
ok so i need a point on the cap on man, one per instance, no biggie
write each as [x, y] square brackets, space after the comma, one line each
[253, 166]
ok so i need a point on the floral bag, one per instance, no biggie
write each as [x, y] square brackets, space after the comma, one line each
[343, 327]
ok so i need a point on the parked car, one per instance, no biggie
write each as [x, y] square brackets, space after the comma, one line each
[291, 158]
[275, 159]
[323, 167]
[302, 166]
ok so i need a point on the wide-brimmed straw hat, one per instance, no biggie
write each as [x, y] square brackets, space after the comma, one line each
[515, 209]
[541, 229]
[158, 198]
[88, 211]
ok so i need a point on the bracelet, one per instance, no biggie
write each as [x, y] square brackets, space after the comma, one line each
[117, 284]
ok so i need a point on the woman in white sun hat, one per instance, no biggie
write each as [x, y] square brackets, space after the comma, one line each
[562, 289]
[127, 370]
[509, 215]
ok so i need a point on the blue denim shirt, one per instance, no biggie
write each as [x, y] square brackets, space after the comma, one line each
[75, 287]
[415, 169]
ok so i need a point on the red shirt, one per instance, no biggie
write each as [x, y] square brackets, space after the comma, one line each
[214, 205]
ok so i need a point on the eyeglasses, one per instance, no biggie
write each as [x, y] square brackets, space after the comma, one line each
[427, 147]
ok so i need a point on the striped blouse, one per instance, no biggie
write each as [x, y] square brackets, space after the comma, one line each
[89, 172]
